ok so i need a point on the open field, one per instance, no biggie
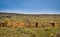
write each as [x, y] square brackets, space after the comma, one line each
[28, 32]
[29, 25]
[30, 20]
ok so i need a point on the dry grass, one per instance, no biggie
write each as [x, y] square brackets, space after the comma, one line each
[28, 32]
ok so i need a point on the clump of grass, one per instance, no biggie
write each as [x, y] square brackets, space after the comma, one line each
[58, 33]
[52, 35]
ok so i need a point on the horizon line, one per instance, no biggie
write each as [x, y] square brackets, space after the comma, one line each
[28, 13]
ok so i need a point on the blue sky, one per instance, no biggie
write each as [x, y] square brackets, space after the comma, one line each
[31, 6]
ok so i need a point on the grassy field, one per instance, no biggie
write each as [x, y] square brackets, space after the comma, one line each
[24, 25]
[28, 32]
[42, 19]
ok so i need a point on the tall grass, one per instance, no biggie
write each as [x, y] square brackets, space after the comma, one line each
[28, 32]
